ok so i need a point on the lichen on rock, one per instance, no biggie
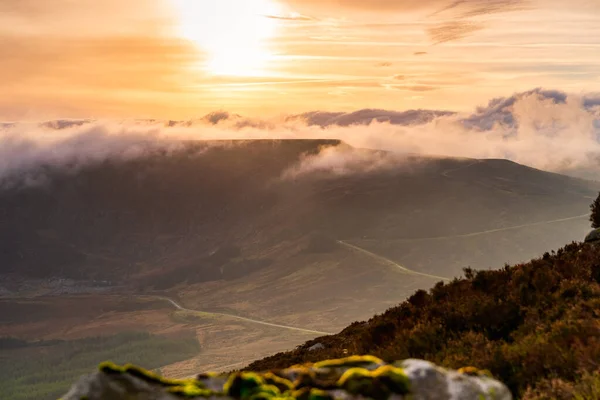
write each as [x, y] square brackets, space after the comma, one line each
[345, 379]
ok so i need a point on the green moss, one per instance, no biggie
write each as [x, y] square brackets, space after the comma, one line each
[282, 384]
[252, 386]
[353, 374]
[393, 378]
[140, 373]
[207, 375]
[150, 377]
[311, 381]
[266, 392]
[305, 378]
[311, 394]
[316, 394]
[349, 362]
[378, 384]
[243, 384]
[357, 381]
[110, 368]
[191, 390]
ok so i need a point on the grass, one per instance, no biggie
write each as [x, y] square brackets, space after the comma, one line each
[192, 317]
[46, 373]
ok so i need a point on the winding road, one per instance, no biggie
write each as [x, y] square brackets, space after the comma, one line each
[254, 321]
[390, 262]
[465, 235]
[480, 233]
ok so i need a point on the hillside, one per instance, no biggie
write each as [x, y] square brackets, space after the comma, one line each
[185, 212]
[263, 244]
[534, 326]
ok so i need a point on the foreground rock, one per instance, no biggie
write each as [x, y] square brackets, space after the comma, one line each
[349, 378]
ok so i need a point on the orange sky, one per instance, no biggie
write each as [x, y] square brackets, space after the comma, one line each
[184, 58]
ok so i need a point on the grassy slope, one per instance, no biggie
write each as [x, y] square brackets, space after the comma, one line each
[47, 372]
[533, 325]
[141, 222]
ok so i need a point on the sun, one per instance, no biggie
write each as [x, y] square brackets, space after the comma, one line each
[234, 34]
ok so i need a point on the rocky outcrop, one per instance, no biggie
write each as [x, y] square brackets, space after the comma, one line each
[593, 236]
[349, 378]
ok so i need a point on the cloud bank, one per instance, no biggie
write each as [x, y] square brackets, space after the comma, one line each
[546, 129]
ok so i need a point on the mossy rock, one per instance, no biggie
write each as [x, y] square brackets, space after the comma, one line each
[357, 377]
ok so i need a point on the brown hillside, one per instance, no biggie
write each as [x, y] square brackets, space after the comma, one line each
[533, 325]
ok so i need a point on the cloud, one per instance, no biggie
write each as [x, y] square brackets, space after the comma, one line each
[451, 31]
[461, 13]
[434, 6]
[59, 124]
[539, 128]
[367, 117]
[292, 17]
[473, 8]
[26, 150]
[412, 88]
[500, 111]
[546, 129]
[487, 7]
[343, 160]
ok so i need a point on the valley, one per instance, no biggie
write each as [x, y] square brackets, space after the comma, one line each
[219, 241]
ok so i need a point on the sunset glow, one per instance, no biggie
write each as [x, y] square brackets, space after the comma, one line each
[234, 34]
[182, 58]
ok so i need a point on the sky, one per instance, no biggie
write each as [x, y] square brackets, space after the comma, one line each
[181, 59]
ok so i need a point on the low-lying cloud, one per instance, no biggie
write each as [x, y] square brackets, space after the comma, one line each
[344, 160]
[550, 130]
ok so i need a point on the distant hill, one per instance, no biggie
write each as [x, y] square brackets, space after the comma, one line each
[169, 213]
[263, 229]
[533, 325]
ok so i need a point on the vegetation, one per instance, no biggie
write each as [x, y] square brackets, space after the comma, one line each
[7, 343]
[46, 372]
[192, 317]
[364, 377]
[595, 216]
[534, 326]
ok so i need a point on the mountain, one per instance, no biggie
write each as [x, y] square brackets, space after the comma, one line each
[253, 247]
[208, 203]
